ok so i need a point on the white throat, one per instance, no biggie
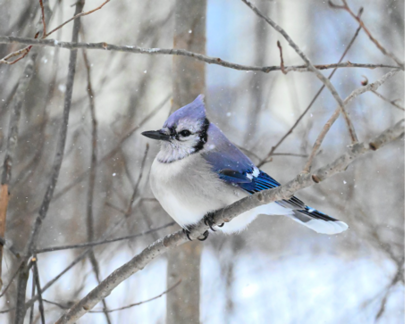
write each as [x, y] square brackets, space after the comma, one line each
[170, 152]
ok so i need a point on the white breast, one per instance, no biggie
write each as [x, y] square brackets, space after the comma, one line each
[187, 189]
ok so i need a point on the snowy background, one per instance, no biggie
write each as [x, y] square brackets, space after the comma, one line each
[274, 272]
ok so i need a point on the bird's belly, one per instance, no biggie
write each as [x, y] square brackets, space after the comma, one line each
[188, 195]
[183, 210]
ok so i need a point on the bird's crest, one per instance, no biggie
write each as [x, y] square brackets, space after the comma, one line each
[193, 112]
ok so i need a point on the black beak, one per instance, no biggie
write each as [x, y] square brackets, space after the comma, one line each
[158, 135]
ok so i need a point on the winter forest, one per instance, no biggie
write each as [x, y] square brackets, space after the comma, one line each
[311, 91]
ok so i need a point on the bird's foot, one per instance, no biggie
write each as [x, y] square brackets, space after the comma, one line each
[203, 237]
[208, 220]
[187, 233]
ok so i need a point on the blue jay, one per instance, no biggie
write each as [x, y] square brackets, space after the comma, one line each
[198, 171]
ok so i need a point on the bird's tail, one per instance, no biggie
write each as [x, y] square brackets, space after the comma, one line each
[318, 221]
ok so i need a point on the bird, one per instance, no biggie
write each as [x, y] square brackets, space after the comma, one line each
[198, 171]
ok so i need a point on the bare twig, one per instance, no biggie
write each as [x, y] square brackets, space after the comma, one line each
[75, 17]
[110, 229]
[23, 52]
[139, 303]
[12, 140]
[133, 196]
[333, 118]
[31, 313]
[88, 244]
[11, 280]
[389, 101]
[397, 277]
[38, 288]
[290, 131]
[346, 7]
[224, 215]
[92, 176]
[116, 149]
[33, 238]
[290, 154]
[197, 56]
[121, 308]
[281, 58]
[44, 24]
[310, 67]
[26, 50]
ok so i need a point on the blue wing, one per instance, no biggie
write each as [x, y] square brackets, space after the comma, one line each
[234, 167]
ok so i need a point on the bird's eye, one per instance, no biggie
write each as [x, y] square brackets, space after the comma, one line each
[185, 133]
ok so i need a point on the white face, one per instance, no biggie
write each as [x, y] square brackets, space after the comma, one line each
[185, 138]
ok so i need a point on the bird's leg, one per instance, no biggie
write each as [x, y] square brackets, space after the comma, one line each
[209, 221]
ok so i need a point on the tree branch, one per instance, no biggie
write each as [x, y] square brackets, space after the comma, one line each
[224, 215]
[370, 87]
[170, 51]
[290, 131]
[346, 7]
[311, 68]
[31, 245]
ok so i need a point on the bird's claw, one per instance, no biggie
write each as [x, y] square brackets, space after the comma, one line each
[187, 233]
[208, 220]
[203, 237]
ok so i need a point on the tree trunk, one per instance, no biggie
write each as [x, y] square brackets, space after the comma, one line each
[188, 80]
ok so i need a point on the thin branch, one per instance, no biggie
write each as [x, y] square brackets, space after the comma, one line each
[290, 154]
[290, 131]
[197, 56]
[23, 51]
[12, 141]
[33, 238]
[38, 288]
[121, 308]
[115, 149]
[373, 86]
[133, 196]
[31, 313]
[389, 101]
[362, 24]
[224, 215]
[281, 58]
[44, 24]
[26, 50]
[310, 67]
[11, 280]
[89, 244]
[92, 176]
[139, 303]
[81, 256]
[87, 251]
[75, 17]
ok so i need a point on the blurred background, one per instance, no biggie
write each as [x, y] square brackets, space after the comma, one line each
[275, 271]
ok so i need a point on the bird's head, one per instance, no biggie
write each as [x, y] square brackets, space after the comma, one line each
[183, 133]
